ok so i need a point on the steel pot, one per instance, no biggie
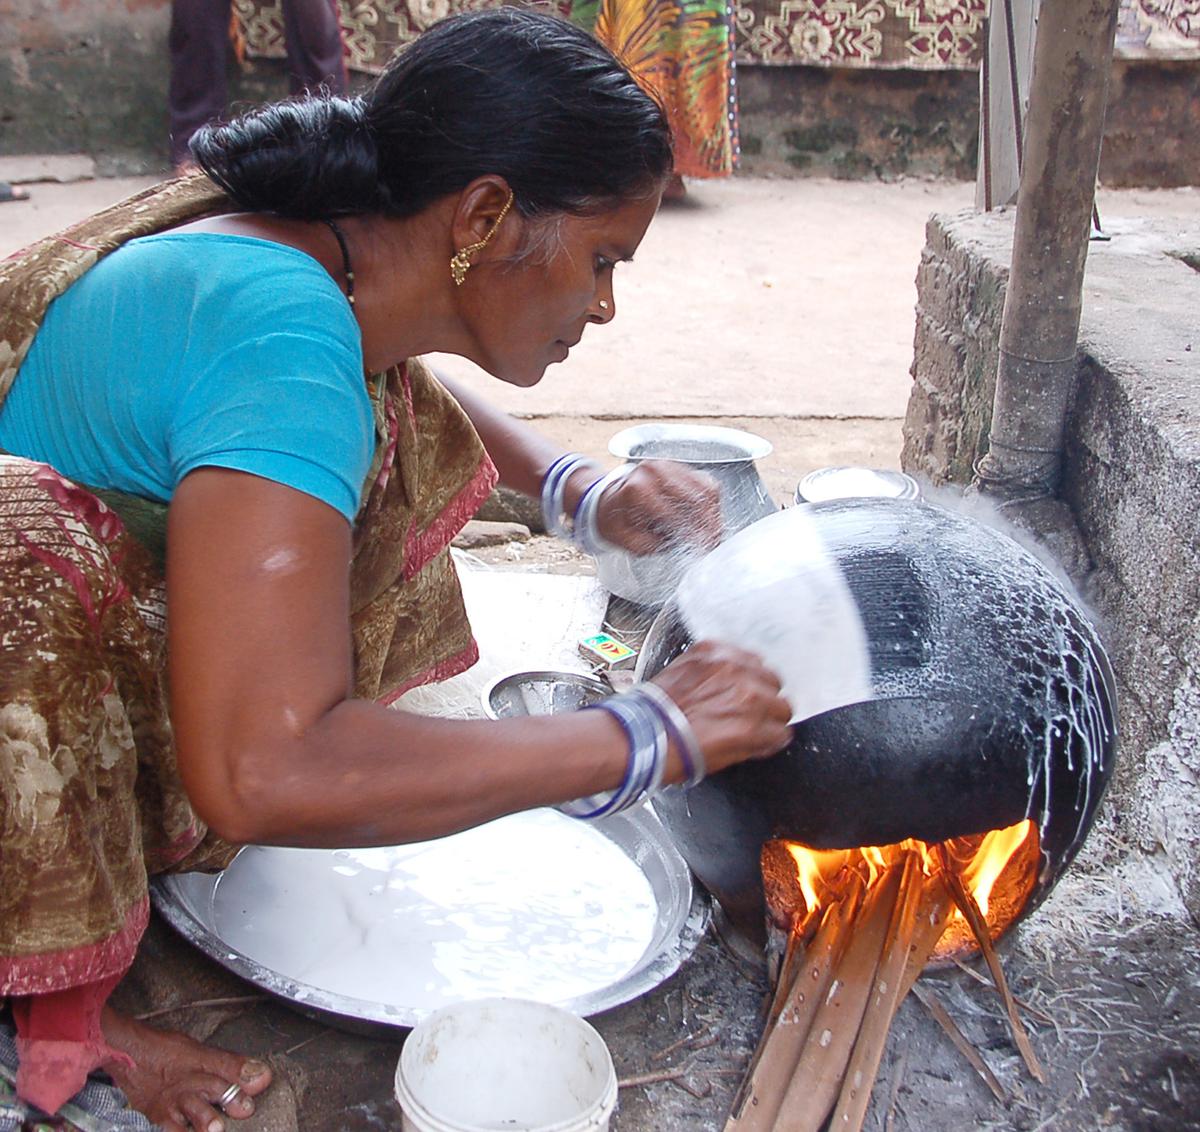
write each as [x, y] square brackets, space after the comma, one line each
[726, 454]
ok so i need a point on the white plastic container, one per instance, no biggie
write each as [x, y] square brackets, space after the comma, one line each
[505, 1063]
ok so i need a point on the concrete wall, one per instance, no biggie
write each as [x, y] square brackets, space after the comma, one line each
[85, 78]
[814, 121]
[91, 78]
[854, 124]
[1132, 477]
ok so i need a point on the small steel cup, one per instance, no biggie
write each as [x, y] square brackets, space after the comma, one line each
[542, 692]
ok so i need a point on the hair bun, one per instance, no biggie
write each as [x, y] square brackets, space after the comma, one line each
[306, 158]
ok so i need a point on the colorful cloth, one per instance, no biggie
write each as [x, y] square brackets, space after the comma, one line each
[683, 50]
[926, 35]
[930, 35]
[940, 35]
[90, 799]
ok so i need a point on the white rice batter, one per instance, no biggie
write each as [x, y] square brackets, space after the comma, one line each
[534, 905]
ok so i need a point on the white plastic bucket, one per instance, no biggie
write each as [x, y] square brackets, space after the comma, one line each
[505, 1063]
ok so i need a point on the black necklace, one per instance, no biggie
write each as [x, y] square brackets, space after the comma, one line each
[341, 239]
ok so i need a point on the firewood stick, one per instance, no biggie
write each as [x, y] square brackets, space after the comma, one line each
[1023, 1003]
[758, 1098]
[885, 998]
[701, 1040]
[818, 1075]
[932, 917]
[970, 910]
[757, 1101]
[793, 953]
[743, 1112]
[931, 1003]
[930, 912]
[672, 1073]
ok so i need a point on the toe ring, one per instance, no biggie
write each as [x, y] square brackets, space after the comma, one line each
[229, 1096]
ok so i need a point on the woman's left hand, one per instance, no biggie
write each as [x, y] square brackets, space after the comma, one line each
[659, 504]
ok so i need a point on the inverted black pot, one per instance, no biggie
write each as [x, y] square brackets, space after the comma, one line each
[992, 702]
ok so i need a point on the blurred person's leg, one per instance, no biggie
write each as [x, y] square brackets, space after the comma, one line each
[199, 46]
[314, 45]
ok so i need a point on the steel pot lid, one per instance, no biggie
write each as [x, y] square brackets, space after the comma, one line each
[853, 483]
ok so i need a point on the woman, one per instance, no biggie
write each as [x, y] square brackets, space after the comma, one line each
[207, 381]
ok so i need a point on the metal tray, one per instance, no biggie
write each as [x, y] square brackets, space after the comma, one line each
[186, 902]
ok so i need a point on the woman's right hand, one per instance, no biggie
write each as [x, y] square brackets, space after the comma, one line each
[733, 702]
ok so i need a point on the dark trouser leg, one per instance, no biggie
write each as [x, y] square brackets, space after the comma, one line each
[314, 45]
[199, 46]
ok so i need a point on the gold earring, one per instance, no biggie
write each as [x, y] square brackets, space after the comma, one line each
[460, 262]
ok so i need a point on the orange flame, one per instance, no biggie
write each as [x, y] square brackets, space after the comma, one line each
[991, 858]
[979, 861]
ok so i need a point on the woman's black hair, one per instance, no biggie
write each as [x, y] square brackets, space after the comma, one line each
[527, 96]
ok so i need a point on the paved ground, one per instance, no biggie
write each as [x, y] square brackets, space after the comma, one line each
[784, 307]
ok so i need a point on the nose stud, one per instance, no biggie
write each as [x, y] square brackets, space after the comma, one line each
[604, 304]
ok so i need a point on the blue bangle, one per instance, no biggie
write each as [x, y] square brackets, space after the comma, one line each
[690, 752]
[595, 806]
[553, 493]
[644, 754]
[646, 732]
[587, 531]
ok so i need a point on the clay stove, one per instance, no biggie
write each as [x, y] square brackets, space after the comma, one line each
[917, 824]
[992, 704]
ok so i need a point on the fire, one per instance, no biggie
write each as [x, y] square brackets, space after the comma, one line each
[998, 869]
[991, 859]
[857, 928]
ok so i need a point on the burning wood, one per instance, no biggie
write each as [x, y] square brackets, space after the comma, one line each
[861, 927]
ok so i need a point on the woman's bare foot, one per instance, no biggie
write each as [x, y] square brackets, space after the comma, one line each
[176, 1081]
[12, 192]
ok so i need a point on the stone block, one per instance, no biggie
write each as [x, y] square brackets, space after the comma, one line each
[482, 532]
[507, 506]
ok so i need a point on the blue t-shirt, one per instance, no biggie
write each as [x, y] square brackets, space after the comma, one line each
[187, 350]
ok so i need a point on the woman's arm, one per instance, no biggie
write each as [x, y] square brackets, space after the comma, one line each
[271, 746]
[521, 454]
[660, 502]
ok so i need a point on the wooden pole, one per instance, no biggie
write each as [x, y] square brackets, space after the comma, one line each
[1040, 325]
